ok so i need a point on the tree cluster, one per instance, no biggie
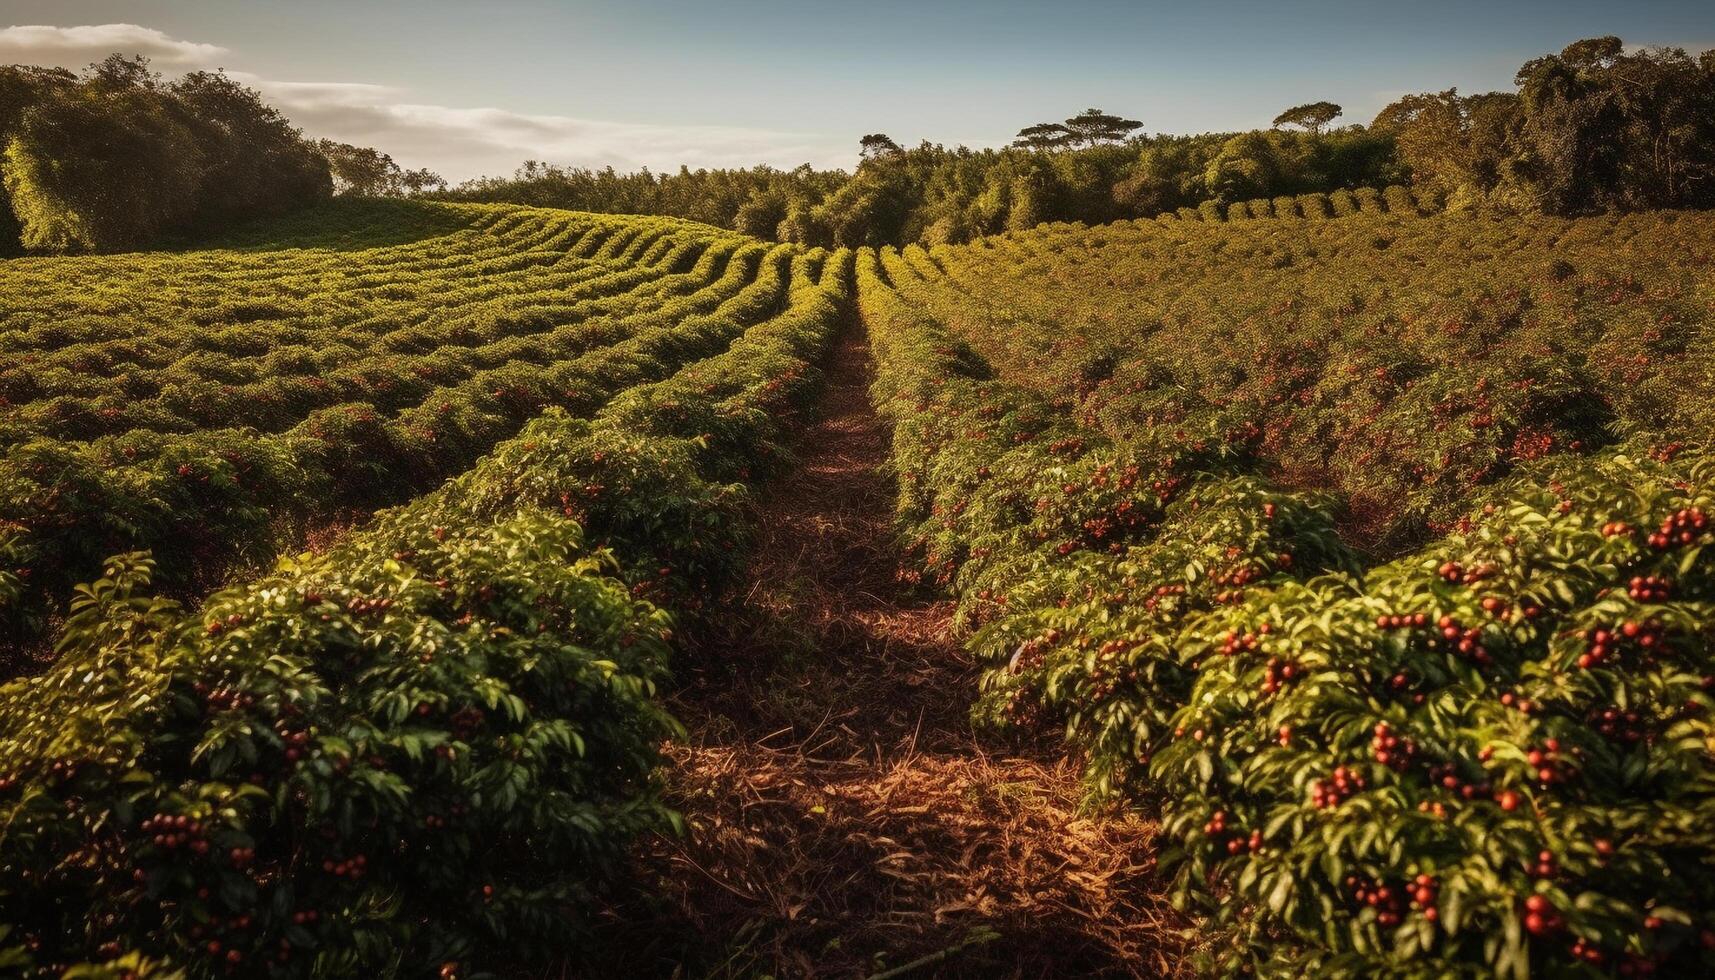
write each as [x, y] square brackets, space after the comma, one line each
[363, 171]
[755, 200]
[932, 193]
[116, 157]
[1091, 127]
[1593, 128]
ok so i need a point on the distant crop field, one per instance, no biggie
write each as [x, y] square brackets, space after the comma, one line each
[1402, 361]
[1359, 553]
[211, 405]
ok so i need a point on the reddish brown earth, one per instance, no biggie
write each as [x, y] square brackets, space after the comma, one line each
[845, 821]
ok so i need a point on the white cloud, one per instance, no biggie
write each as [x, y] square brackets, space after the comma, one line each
[457, 142]
[462, 142]
[75, 47]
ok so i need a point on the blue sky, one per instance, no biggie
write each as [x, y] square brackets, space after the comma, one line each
[476, 86]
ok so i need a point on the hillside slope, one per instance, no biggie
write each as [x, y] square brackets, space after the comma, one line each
[429, 745]
[217, 405]
[1362, 564]
[1163, 469]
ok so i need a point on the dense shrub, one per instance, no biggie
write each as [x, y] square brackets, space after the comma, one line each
[436, 737]
[430, 744]
[237, 404]
[1495, 752]
[117, 159]
[1490, 755]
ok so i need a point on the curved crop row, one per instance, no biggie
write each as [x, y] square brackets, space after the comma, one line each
[428, 745]
[206, 498]
[1395, 199]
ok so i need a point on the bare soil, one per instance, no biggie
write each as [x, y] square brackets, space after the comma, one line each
[845, 821]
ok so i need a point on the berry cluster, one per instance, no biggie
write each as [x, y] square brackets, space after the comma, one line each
[1340, 786]
[1625, 727]
[1467, 641]
[1682, 527]
[1391, 750]
[1650, 588]
[1398, 622]
[1389, 902]
[1540, 916]
[1277, 674]
[1235, 642]
[1546, 761]
[171, 832]
[1605, 644]
[1233, 840]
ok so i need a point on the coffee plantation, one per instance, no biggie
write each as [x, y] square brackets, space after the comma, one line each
[249, 394]
[1383, 575]
[435, 739]
[352, 565]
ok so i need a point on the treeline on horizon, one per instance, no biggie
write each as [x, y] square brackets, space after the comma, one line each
[1597, 127]
[116, 158]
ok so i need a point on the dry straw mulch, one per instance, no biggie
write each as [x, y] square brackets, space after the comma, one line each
[844, 820]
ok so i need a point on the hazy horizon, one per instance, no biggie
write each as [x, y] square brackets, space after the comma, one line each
[663, 84]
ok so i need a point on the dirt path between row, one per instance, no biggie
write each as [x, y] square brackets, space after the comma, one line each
[845, 819]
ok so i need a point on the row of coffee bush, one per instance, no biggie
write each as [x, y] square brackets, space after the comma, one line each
[1492, 755]
[424, 749]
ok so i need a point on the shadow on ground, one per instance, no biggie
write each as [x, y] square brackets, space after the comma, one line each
[845, 821]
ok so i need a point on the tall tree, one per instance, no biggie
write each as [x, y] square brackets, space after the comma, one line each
[1461, 145]
[360, 171]
[875, 146]
[21, 87]
[117, 73]
[1603, 128]
[1093, 126]
[100, 169]
[1595, 127]
[421, 181]
[1311, 116]
[116, 158]
[1043, 136]
[254, 163]
[762, 212]
[1249, 165]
